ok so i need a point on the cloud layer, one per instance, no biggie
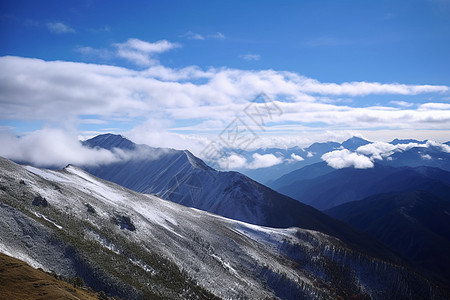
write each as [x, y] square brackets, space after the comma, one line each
[36, 89]
[54, 148]
[66, 94]
[365, 156]
[258, 161]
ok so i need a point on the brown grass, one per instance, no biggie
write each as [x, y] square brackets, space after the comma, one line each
[20, 281]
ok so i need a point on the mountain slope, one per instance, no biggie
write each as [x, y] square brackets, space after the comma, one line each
[354, 143]
[182, 178]
[431, 156]
[349, 184]
[400, 153]
[139, 246]
[19, 281]
[416, 224]
[309, 156]
[307, 172]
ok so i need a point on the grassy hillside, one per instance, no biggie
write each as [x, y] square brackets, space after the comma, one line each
[20, 281]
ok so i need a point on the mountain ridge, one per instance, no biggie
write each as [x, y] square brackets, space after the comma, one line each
[229, 194]
[348, 184]
[414, 223]
[171, 251]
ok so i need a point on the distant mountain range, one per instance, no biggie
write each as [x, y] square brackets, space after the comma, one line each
[336, 187]
[414, 223]
[309, 155]
[138, 246]
[386, 223]
[182, 178]
[418, 153]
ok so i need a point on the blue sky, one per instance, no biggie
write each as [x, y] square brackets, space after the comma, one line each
[337, 41]
[177, 73]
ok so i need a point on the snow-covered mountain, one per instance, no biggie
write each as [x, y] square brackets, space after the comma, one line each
[139, 246]
[290, 159]
[397, 153]
[182, 178]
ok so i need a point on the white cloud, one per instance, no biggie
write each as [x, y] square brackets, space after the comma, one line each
[310, 154]
[101, 53]
[197, 36]
[444, 147]
[58, 28]
[156, 132]
[344, 159]
[58, 91]
[193, 36]
[434, 106]
[402, 103]
[264, 161]
[250, 56]
[233, 161]
[381, 150]
[425, 156]
[377, 150]
[54, 147]
[143, 53]
[296, 157]
[236, 161]
[366, 88]
[217, 35]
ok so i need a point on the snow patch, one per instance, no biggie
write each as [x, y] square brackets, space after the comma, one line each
[48, 174]
[47, 219]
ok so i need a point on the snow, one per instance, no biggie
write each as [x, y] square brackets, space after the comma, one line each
[48, 174]
[47, 219]
[217, 252]
[97, 188]
[17, 253]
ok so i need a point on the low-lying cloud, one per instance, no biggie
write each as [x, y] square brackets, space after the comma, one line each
[54, 148]
[264, 161]
[344, 159]
[258, 161]
[365, 156]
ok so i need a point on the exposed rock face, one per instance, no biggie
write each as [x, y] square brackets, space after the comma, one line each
[39, 201]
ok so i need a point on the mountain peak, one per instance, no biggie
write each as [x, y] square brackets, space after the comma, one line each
[196, 162]
[405, 141]
[354, 142]
[109, 141]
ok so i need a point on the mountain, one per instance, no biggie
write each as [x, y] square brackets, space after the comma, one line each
[415, 224]
[307, 172]
[109, 142]
[138, 246]
[303, 157]
[406, 141]
[431, 156]
[321, 148]
[354, 143]
[407, 153]
[293, 158]
[182, 178]
[20, 281]
[349, 184]
[265, 175]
